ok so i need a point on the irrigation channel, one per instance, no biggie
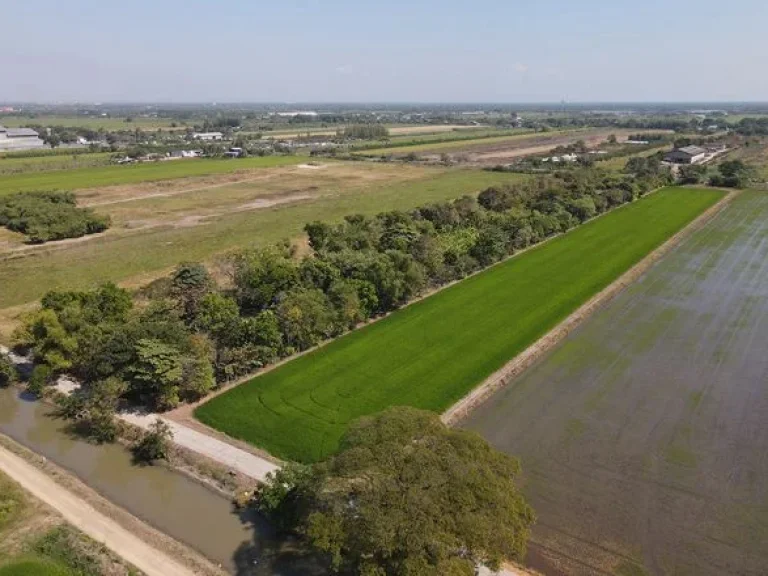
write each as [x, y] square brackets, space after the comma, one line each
[186, 510]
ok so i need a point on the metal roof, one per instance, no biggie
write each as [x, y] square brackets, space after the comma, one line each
[20, 132]
[693, 150]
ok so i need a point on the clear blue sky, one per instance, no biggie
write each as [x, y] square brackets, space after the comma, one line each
[392, 50]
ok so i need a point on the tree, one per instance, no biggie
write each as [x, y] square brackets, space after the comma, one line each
[157, 373]
[490, 247]
[260, 275]
[7, 371]
[190, 283]
[51, 343]
[406, 496]
[155, 444]
[305, 317]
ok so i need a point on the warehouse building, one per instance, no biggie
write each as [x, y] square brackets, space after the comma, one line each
[686, 155]
[19, 139]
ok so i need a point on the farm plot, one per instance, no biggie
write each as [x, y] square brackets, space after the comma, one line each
[643, 435]
[165, 225]
[504, 149]
[93, 177]
[433, 352]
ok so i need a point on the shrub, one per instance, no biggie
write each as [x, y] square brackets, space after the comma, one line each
[7, 372]
[46, 216]
[155, 444]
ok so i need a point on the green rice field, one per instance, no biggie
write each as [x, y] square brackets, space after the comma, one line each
[429, 355]
[92, 177]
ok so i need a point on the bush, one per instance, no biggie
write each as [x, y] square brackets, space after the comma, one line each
[7, 372]
[46, 216]
[155, 444]
[40, 378]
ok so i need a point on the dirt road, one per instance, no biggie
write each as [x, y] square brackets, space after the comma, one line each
[81, 515]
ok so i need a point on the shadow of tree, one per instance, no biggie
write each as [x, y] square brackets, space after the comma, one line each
[272, 553]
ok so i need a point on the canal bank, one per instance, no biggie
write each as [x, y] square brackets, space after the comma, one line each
[187, 511]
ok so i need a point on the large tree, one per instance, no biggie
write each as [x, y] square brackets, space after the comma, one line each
[406, 496]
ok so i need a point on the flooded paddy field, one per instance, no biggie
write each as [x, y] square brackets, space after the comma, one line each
[644, 435]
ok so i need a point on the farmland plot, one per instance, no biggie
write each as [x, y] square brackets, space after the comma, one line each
[644, 435]
[432, 353]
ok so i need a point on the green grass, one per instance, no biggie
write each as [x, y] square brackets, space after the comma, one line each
[430, 354]
[34, 567]
[120, 257]
[37, 164]
[110, 175]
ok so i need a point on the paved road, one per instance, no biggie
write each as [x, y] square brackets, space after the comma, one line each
[77, 512]
[231, 456]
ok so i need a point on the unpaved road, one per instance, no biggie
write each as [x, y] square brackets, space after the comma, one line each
[84, 517]
[222, 452]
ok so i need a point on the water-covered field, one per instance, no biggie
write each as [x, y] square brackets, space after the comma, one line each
[644, 435]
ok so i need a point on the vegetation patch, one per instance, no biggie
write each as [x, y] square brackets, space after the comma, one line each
[46, 216]
[92, 177]
[432, 353]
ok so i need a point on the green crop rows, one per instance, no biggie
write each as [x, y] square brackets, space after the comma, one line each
[430, 354]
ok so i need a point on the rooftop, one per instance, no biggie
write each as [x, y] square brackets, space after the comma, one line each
[693, 150]
[21, 132]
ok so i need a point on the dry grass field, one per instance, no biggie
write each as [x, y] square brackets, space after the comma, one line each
[156, 225]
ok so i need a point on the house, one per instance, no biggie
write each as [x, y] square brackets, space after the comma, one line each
[174, 154]
[234, 152]
[19, 139]
[686, 155]
[208, 136]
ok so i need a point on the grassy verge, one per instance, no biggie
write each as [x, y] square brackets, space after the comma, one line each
[36, 542]
[432, 353]
[124, 257]
[151, 172]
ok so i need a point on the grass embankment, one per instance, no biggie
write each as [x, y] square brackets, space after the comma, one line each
[117, 258]
[93, 177]
[432, 353]
[35, 542]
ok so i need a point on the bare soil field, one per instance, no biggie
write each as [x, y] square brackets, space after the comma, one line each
[491, 151]
[642, 435]
[541, 144]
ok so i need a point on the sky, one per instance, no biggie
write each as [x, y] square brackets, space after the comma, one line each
[390, 51]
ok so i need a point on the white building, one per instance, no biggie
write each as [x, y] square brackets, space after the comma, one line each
[19, 139]
[208, 136]
[297, 113]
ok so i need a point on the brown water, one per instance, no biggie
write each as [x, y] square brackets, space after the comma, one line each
[182, 508]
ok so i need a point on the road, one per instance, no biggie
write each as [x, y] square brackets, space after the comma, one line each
[88, 520]
[222, 452]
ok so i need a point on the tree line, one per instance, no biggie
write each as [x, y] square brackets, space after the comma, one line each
[181, 334]
[46, 216]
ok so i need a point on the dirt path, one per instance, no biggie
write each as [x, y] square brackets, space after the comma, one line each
[81, 515]
[522, 361]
